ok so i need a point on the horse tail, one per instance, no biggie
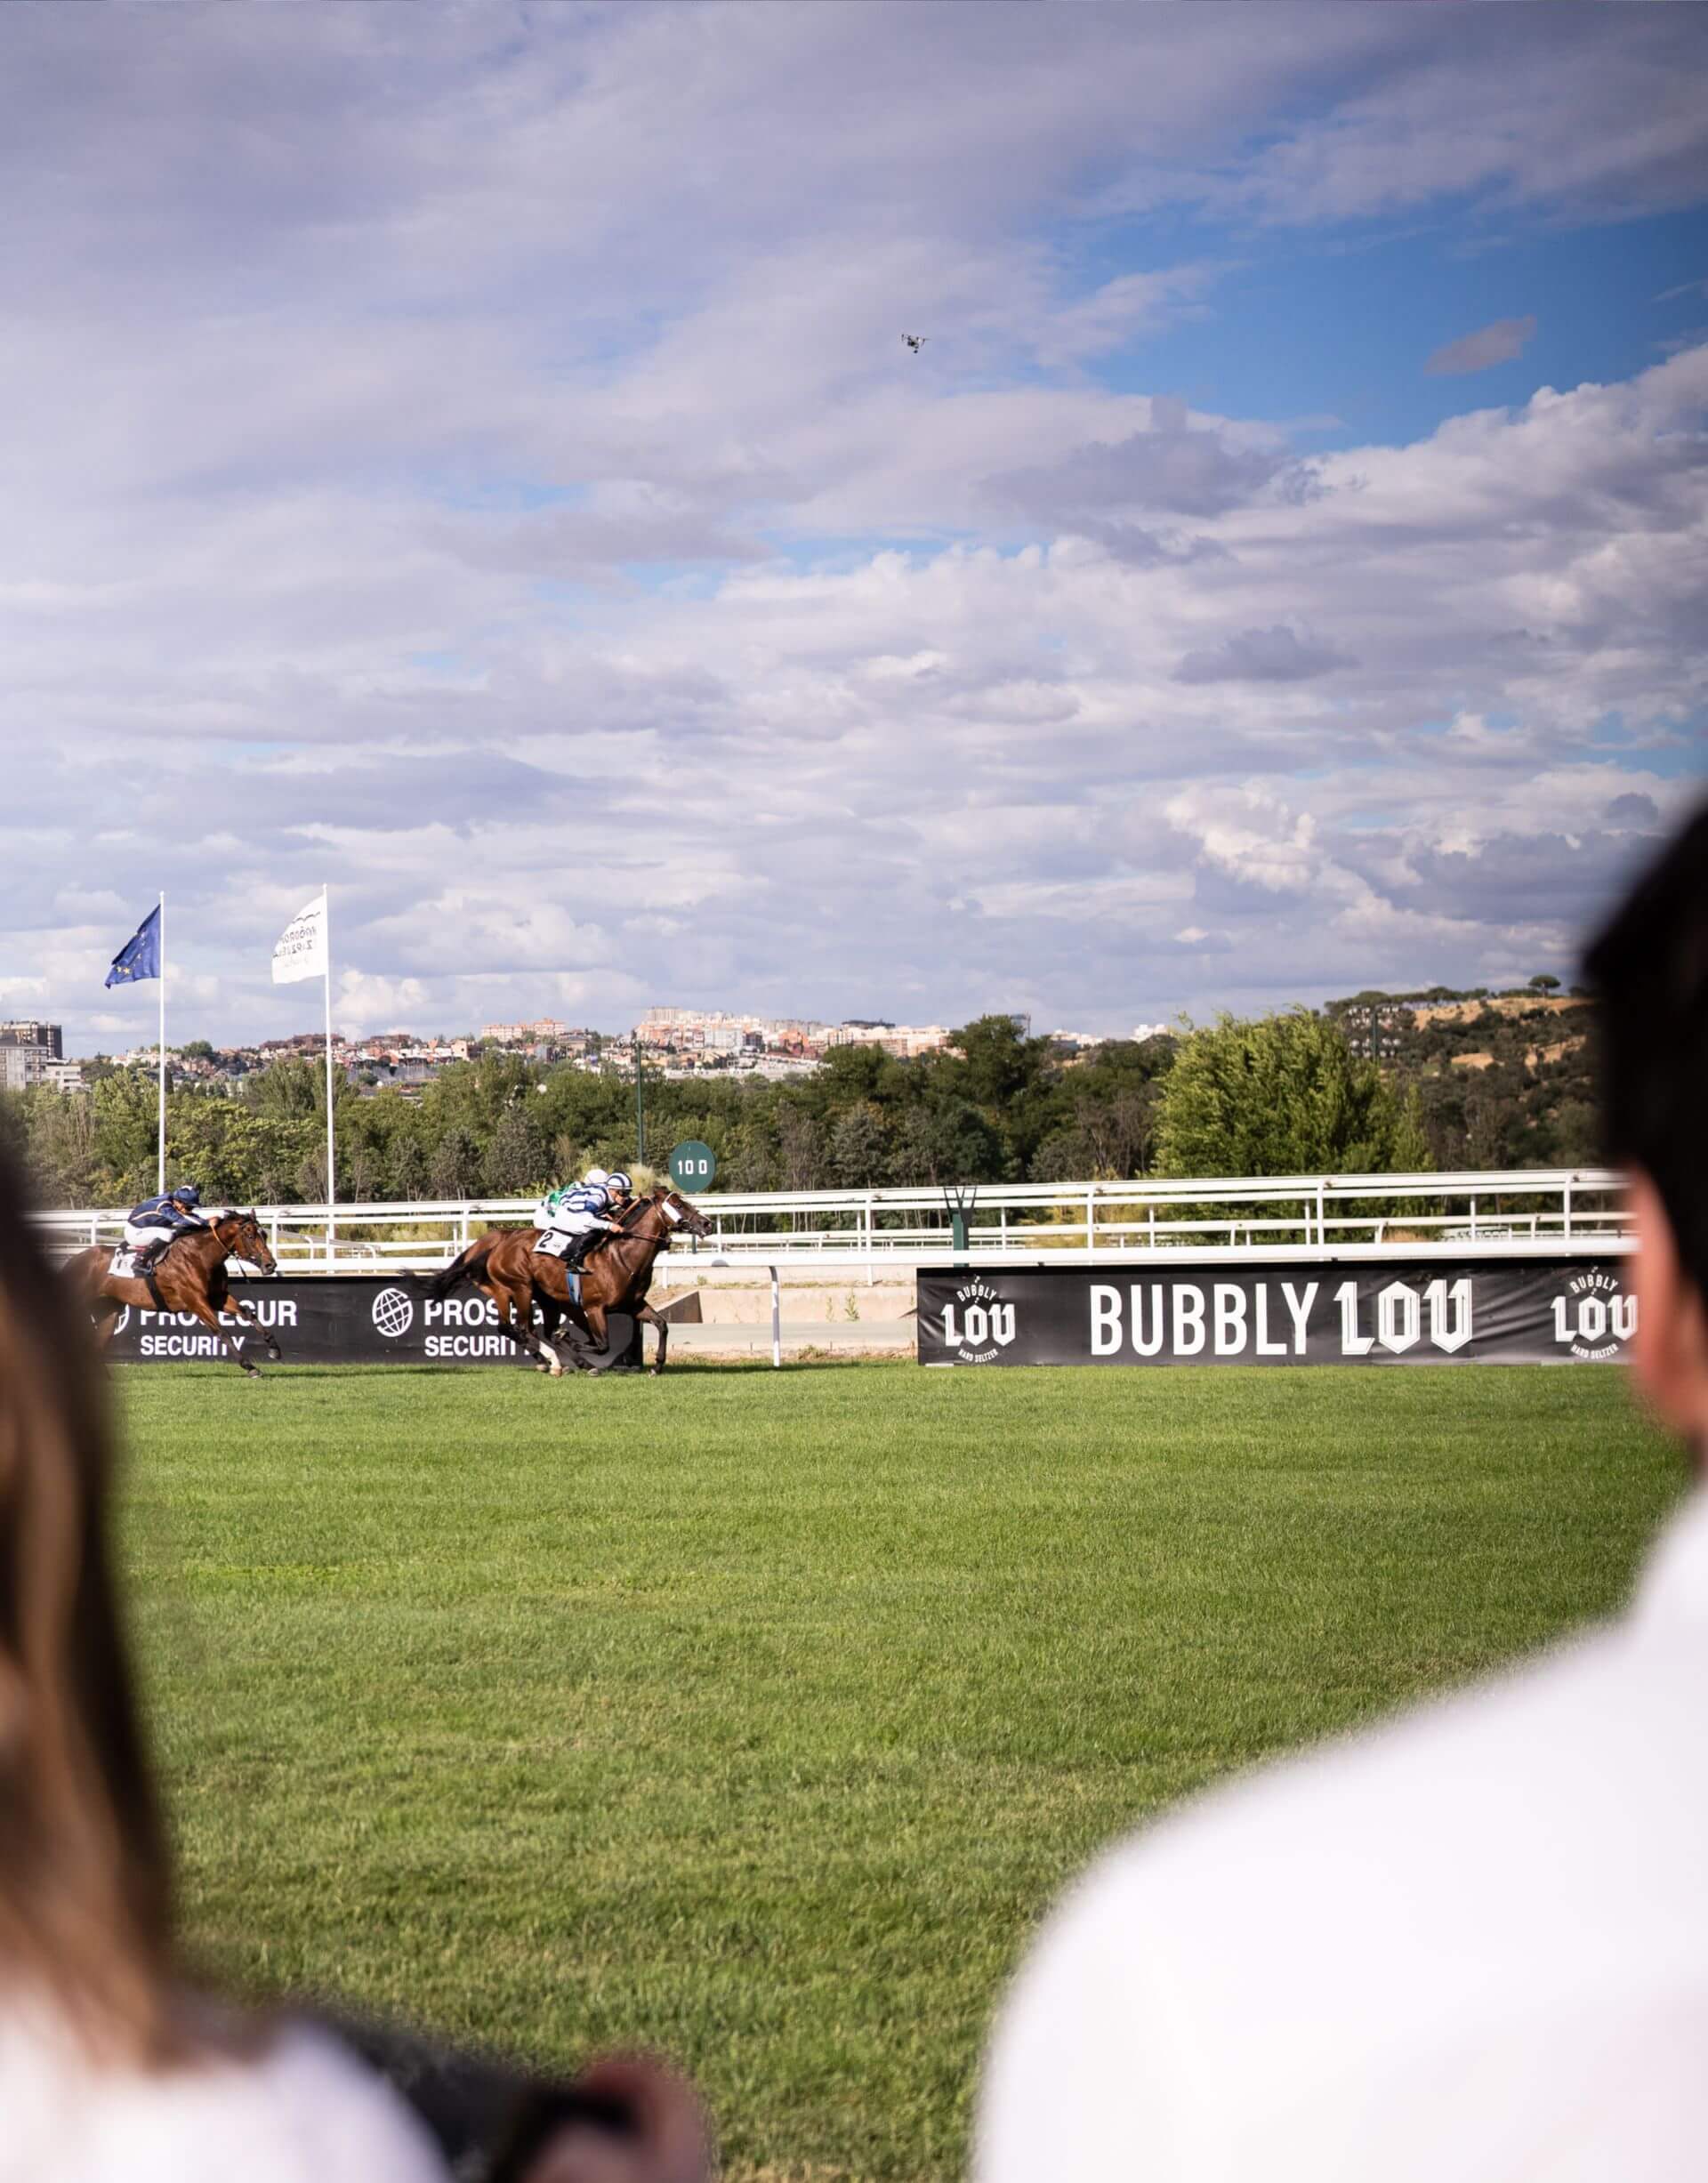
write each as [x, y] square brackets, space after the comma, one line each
[468, 1265]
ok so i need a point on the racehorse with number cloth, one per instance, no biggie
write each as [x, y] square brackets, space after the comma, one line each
[505, 1265]
[191, 1276]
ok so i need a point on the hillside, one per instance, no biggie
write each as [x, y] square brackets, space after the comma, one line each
[1503, 1080]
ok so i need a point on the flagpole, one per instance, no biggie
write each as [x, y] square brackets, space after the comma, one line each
[331, 1230]
[160, 1164]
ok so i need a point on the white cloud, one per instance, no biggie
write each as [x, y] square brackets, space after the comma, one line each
[943, 680]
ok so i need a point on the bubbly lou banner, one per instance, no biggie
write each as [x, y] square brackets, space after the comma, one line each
[341, 1319]
[1418, 1311]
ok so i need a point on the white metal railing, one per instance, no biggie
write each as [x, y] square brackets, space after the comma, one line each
[1513, 1214]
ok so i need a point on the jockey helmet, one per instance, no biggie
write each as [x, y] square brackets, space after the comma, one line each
[186, 1194]
[597, 1175]
[619, 1184]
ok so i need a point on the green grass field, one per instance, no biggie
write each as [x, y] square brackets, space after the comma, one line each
[758, 1715]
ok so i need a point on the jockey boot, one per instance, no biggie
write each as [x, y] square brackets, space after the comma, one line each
[148, 1254]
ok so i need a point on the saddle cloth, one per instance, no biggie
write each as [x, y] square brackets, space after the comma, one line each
[555, 1246]
[123, 1263]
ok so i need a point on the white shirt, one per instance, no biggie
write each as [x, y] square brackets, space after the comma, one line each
[1472, 1945]
[302, 2111]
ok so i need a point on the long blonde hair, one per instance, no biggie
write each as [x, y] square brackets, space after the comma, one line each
[85, 1880]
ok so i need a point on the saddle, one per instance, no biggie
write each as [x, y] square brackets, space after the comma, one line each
[554, 1244]
[125, 1267]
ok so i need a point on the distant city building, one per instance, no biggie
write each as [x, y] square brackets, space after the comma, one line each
[1142, 1031]
[545, 1031]
[712, 1038]
[33, 1052]
[49, 1035]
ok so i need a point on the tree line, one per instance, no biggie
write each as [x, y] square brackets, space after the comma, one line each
[998, 1107]
[1283, 1094]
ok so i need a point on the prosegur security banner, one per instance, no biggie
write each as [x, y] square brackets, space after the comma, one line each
[1418, 1311]
[334, 1319]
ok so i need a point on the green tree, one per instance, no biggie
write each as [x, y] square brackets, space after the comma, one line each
[286, 1091]
[859, 1148]
[516, 1159]
[1545, 981]
[801, 1149]
[998, 1063]
[406, 1167]
[14, 1134]
[222, 1147]
[1283, 1095]
[126, 1126]
[454, 1166]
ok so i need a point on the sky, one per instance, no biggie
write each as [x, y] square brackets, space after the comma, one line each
[470, 456]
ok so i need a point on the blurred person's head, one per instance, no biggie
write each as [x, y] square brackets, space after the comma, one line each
[1650, 969]
[85, 1872]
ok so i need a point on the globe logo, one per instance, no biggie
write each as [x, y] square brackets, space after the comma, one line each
[394, 1313]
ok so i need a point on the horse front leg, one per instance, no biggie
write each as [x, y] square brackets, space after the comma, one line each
[244, 1314]
[210, 1319]
[645, 1315]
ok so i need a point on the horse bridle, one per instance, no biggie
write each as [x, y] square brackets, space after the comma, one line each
[638, 1205]
[242, 1220]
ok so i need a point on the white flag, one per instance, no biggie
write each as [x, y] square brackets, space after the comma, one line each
[301, 949]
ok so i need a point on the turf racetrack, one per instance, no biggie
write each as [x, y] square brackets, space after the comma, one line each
[757, 1715]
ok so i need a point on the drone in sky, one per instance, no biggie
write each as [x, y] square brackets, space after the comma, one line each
[916, 342]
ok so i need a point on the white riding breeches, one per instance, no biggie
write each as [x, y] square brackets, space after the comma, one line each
[566, 1229]
[136, 1237]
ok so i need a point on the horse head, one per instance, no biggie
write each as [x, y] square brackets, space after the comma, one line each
[660, 1211]
[240, 1233]
[679, 1211]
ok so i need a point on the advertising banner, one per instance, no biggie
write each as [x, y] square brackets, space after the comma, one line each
[1395, 1311]
[350, 1319]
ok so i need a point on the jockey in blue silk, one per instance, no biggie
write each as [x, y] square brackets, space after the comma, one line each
[153, 1224]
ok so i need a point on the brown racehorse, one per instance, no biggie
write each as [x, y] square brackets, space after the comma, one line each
[188, 1276]
[504, 1264]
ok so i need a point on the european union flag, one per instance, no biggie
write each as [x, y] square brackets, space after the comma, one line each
[140, 957]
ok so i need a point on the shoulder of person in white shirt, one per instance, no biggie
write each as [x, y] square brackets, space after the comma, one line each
[1475, 1942]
